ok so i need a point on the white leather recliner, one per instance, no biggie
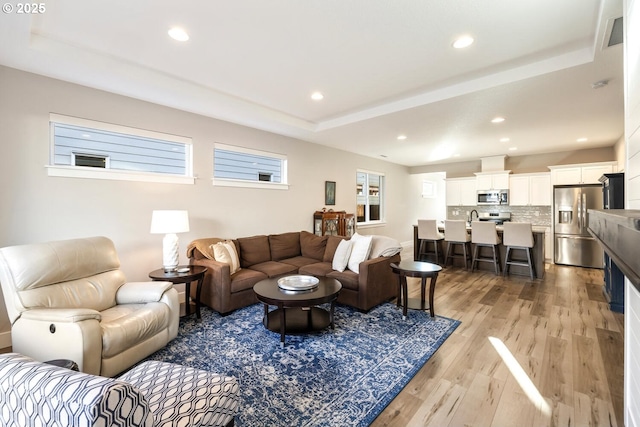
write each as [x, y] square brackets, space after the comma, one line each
[69, 300]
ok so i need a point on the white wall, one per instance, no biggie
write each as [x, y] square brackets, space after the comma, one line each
[428, 208]
[632, 193]
[37, 208]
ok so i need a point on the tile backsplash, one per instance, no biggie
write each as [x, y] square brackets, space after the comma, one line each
[536, 215]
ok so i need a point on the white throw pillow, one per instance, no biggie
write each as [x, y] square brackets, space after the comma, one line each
[359, 252]
[341, 256]
[226, 252]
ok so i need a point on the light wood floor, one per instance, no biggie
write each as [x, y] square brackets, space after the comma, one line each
[567, 344]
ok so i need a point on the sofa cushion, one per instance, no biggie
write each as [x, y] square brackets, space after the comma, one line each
[253, 250]
[274, 268]
[319, 269]
[347, 278]
[312, 246]
[359, 252]
[142, 321]
[245, 279]
[285, 245]
[341, 256]
[332, 245]
[299, 261]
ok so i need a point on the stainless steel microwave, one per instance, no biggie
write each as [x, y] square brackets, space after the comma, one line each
[493, 197]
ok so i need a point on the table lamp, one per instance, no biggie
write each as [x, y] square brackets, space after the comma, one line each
[169, 223]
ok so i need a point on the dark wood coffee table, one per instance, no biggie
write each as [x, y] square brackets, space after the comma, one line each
[423, 270]
[296, 311]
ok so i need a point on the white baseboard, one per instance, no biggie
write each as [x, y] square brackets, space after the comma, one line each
[5, 339]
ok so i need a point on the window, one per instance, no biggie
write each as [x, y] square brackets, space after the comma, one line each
[369, 196]
[89, 149]
[428, 189]
[244, 167]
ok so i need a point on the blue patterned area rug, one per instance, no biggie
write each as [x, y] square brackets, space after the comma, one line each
[341, 377]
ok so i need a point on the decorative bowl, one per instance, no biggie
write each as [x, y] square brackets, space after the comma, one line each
[298, 283]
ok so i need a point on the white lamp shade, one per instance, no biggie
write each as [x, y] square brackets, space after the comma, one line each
[164, 222]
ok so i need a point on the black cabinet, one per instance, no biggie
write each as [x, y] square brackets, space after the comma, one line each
[613, 198]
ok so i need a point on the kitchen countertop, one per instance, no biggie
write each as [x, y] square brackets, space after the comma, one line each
[500, 228]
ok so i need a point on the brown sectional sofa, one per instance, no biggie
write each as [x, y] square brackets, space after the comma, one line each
[289, 253]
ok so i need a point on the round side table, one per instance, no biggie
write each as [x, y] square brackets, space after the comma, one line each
[423, 270]
[196, 272]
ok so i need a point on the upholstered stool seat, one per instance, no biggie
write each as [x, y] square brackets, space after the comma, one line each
[428, 234]
[518, 235]
[455, 233]
[483, 233]
[182, 396]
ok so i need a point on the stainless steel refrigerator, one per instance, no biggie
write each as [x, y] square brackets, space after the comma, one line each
[573, 243]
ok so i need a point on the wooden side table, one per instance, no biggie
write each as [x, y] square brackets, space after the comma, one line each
[195, 272]
[423, 270]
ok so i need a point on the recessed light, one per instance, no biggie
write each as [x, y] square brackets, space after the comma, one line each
[456, 155]
[402, 137]
[317, 96]
[505, 139]
[513, 148]
[462, 42]
[178, 34]
[498, 120]
[581, 140]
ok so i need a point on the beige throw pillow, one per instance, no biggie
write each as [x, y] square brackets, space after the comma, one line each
[226, 252]
[341, 256]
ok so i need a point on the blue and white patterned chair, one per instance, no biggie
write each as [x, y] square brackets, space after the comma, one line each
[151, 394]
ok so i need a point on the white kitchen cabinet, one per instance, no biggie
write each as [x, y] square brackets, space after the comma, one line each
[492, 180]
[519, 186]
[540, 191]
[461, 192]
[587, 173]
[530, 190]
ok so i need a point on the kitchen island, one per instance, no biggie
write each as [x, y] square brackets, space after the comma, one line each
[538, 252]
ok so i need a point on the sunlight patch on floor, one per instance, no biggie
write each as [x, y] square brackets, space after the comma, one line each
[520, 376]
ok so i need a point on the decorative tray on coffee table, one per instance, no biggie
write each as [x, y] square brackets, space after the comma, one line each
[298, 283]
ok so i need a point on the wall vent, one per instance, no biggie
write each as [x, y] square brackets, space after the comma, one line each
[613, 33]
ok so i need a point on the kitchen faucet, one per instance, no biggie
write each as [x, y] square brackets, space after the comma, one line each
[471, 215]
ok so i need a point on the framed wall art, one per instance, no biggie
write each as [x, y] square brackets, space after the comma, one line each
[329, 193]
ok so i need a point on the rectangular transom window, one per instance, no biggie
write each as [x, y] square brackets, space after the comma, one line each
[244, 167]
[369, 197]
[90, 149]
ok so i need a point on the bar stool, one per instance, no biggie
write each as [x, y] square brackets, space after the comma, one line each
[455, 233]
[428, 233]
[518, 235]
[483, 233]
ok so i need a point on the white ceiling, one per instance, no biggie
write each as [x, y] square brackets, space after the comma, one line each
[385, 67]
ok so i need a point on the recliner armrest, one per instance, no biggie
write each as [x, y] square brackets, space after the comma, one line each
[68, 315]
[142, 292]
